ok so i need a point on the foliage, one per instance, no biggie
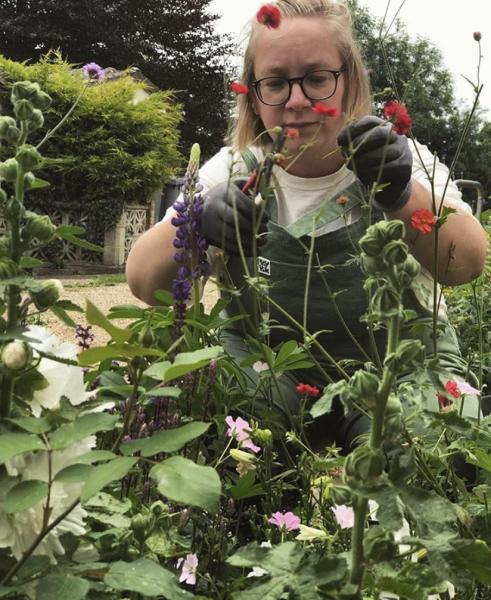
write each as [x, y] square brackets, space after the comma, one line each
[111, 152]
[172, 42]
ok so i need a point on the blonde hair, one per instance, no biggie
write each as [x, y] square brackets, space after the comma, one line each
[357, 96]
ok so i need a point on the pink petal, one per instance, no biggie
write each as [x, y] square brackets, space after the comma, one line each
[466, 388]
[344, 515]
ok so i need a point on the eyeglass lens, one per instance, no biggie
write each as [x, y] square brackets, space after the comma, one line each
[317, 85]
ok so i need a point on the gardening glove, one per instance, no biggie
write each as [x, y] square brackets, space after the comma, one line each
[218, 222]
[377, 154]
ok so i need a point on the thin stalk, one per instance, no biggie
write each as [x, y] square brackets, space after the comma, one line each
[307, 278]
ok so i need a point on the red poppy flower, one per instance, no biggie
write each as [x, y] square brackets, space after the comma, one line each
[397, 113]
[239, 88]
[444, 402]
[423, 220]
[322, 109]
[269, 15]
[310, 390]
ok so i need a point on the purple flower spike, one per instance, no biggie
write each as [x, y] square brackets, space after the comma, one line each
[93, 71]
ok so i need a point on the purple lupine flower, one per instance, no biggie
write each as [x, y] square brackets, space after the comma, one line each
[93, 71]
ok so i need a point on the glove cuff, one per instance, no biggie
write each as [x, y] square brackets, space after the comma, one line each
[390, 206]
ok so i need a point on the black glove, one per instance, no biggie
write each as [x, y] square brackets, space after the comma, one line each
[376, 153]
[218, 222]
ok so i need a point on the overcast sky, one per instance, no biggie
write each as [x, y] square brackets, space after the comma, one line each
[446, 23]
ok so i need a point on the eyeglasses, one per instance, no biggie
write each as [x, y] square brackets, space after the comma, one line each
[317, 85]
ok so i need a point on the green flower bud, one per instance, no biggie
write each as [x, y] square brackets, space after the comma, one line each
[411, 266]
[393, 418]
[28, 180]
[13, 135]
[16, 355]
[264, 437]
[5, 124]
[23, 110]
[160, 509]
[38, 227]
[365, 386]
[370, 243]
[131, 554]
[340, 494]
[9, 169]
[379, 544]
[41, 100]
[363, 465]
[242, 456]
[24, 90]
[395, 252]
[139, 526]
[36, 121]
[47, 294]
[28, 157]
[3, 197]
[372, 265]
[392, 230]
[385, 302]
[147, 337]
[5, 247]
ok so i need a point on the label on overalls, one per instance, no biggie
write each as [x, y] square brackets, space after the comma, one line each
[264, 266]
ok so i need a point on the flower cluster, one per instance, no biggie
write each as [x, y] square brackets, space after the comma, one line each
[309, 390]
[240, 430]
[397, 113]
[85, 336]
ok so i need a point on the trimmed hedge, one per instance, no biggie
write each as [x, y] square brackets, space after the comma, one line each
[112, 151]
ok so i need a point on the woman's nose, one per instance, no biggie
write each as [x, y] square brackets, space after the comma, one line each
[297, 98]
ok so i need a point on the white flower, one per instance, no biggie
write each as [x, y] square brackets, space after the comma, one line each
[260, 366]
[189, 569]
[63, 380]
[257, 572]
[18, 530]
[344, 515]
[308, 534]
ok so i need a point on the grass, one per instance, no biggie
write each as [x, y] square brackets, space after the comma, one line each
[98, 281]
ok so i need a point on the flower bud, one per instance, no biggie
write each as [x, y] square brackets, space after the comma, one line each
[28, 157]
[363, 465]
[392, 230]
[371, 244]
[13, 135]
[395, 252]
[41, 100]
[411, 266]
[24, 90]
[146, 337]
[23, 110]
[8, 268]
[371, 265]
[16, 355]
[477, 36]
[365, 386]
[378, 544]
[385, 302]
[47, 294]
[393, 419]
[39, 227]
[242, 456]
[139, 526]
[5, 124]
[160, 509]
[407, 355]
[9, 169]
[264, 437]
[340, 494]
[36, 121]
[3, 197]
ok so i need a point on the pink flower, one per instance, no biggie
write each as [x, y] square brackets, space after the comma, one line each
[322, 109]
[423, 220]
[344, 515]
[259, 366]
[189, 568]
[269, 15]
[397, 112]
[239, 88]
[239, 429]
[466, 388]
[287, 521]
[93, 71]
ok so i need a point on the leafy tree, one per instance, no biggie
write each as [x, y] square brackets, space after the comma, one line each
[172, 42]
[415, 73]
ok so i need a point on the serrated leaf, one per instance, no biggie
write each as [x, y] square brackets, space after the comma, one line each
[24, 495]
[77, 430]
[169, 440]
[104, 474]
[96, 317]
[145, 577]
[12, 444]
[185, 482]
[61, 586]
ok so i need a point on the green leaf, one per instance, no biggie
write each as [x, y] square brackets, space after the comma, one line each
[5, 592]
[324, 404]
[184, 363]
[29, 262]
[77, 430]
[61, 586]
[476, 557]
[183, 481]
[38, 184]
[104, 474]
[246, 487]
[95, 456]
[109, 503]
[480, 458]
[95, 317]
[145, 577]
[169, 440]
[73, 473]
[24, 495]
[431, 512]
[62, 232]
[32, 424]
[64, 317]
[172, 392]
[98, 354]
[12, 444]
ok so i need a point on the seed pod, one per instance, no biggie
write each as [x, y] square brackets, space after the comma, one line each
[28, 157]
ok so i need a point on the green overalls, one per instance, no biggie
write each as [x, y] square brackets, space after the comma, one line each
[336, 303]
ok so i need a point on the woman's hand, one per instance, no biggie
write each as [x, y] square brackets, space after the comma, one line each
[377, 154]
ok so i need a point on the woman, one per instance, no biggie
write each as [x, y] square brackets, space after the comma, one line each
[306, 78]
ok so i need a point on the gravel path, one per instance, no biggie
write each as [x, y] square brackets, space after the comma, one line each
[78, 290]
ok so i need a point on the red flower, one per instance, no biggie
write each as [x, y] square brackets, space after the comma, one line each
[292, 132]
[444, 402]
[423, 220]
[452, 387]
[239, 88]
[269, 15]
[477, 36]
[322, 109]
[397, 112]
[310, 390]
